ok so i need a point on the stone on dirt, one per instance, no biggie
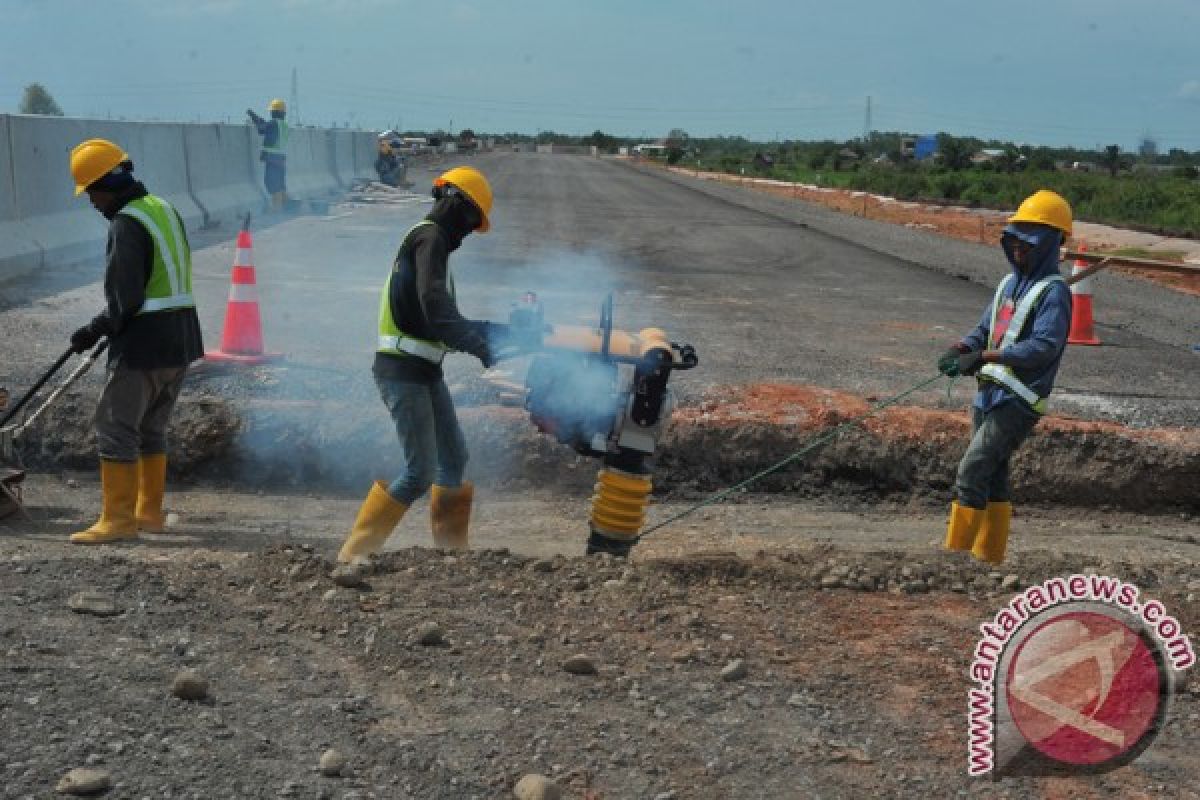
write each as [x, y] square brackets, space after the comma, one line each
[333, 763]
[98, 604]
[430, 634]
[83, 781]
[580, 665]
[734, 671]
[350, 576]
[537, 787]
[190, 685]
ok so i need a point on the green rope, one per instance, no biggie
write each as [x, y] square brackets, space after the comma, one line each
[813, 444]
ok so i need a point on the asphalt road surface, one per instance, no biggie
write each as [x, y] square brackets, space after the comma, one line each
[766, 289]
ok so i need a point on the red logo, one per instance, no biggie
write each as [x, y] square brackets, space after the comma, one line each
[1085, 689]
[1003, 317]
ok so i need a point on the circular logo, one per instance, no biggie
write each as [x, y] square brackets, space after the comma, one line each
[1086, 689]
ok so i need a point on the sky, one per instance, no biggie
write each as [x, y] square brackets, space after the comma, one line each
[1050, 72]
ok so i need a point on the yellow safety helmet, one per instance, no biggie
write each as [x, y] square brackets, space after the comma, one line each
[475, 186]
[1045, 208]
[92, 160]
[277, 105]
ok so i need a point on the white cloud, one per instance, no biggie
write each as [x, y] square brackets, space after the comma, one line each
[1190, 90]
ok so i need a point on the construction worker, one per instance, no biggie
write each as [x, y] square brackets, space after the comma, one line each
[153, 333]
[274, 151]
[1014, 352]
[419, 323]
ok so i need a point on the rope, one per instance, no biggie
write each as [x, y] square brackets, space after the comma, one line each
[817, 441]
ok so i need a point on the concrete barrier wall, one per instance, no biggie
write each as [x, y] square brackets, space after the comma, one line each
[211, 173]
[224, 171]
[17, 245]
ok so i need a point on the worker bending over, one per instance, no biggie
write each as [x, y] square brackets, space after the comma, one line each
[153, 332]
[419, 323]
[1014, 352]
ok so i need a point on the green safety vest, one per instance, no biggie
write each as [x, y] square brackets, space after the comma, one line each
[392, 340]
[999, 373]
[280, 146]
[170, 284]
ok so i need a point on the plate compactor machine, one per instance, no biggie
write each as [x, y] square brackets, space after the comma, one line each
[603, 392]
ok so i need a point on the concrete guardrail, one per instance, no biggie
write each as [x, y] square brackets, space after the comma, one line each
[210, 172]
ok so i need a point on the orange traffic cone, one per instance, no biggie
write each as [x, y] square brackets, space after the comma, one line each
[1082, 317]
[241, 338]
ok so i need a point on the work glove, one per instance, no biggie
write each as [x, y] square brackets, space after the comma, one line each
[958, 360]
[84, 339]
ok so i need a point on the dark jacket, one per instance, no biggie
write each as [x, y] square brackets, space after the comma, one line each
[421, 299]
[146, 341]
[1038, 351]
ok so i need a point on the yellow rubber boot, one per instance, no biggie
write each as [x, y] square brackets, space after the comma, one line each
[964, 526]
[119, 484]
[450, 515]
[378, 517]
[152, 484]
[992, 541]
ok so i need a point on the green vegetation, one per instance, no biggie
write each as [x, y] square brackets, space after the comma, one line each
[37, 100]
[1159, 193]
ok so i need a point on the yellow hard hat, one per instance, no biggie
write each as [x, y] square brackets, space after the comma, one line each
[277, 105]
[92, 160]
[1045, 208]
[475, 186]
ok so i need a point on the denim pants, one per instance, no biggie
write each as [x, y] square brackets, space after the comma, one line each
[134, 409]
[996, 434]
[432, 446]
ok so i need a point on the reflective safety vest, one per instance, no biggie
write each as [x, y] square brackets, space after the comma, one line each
[392, 340]
[281, 140]
[170, 284]
[999, 373]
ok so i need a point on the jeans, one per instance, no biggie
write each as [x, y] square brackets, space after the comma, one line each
[432, 446]
[996, 434]
[134, 409]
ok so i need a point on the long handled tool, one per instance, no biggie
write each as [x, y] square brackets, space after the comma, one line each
[12, 412]
[11, 477]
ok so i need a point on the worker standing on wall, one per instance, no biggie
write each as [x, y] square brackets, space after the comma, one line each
[274, 132]
[1014, 352]
[419, 323]
[153, 333]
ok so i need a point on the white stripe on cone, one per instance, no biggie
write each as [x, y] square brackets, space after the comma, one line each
[1084, 286]
[243, 293]
[242, 258]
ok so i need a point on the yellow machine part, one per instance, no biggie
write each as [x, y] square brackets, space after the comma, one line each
[619, 505]
[621, 343]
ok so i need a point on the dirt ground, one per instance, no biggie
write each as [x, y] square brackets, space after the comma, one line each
[240, 592]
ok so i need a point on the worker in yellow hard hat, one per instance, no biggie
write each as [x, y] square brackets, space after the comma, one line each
[274, 151]
[153, 335]
[419, 323]
[1014, 352]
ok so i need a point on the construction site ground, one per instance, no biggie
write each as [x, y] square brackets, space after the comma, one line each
[826, 580]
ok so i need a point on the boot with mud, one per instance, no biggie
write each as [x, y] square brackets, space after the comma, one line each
[118, 521]
[992, 542]
[378, 517]
[152, 485]
[450, 515]
[964, 526]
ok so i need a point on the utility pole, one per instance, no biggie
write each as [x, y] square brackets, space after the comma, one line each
[294, 103]
[867, 123]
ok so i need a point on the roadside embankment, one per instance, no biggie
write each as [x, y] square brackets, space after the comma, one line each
[734, 432]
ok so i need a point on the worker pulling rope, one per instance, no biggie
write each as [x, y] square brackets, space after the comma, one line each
[817, 441]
